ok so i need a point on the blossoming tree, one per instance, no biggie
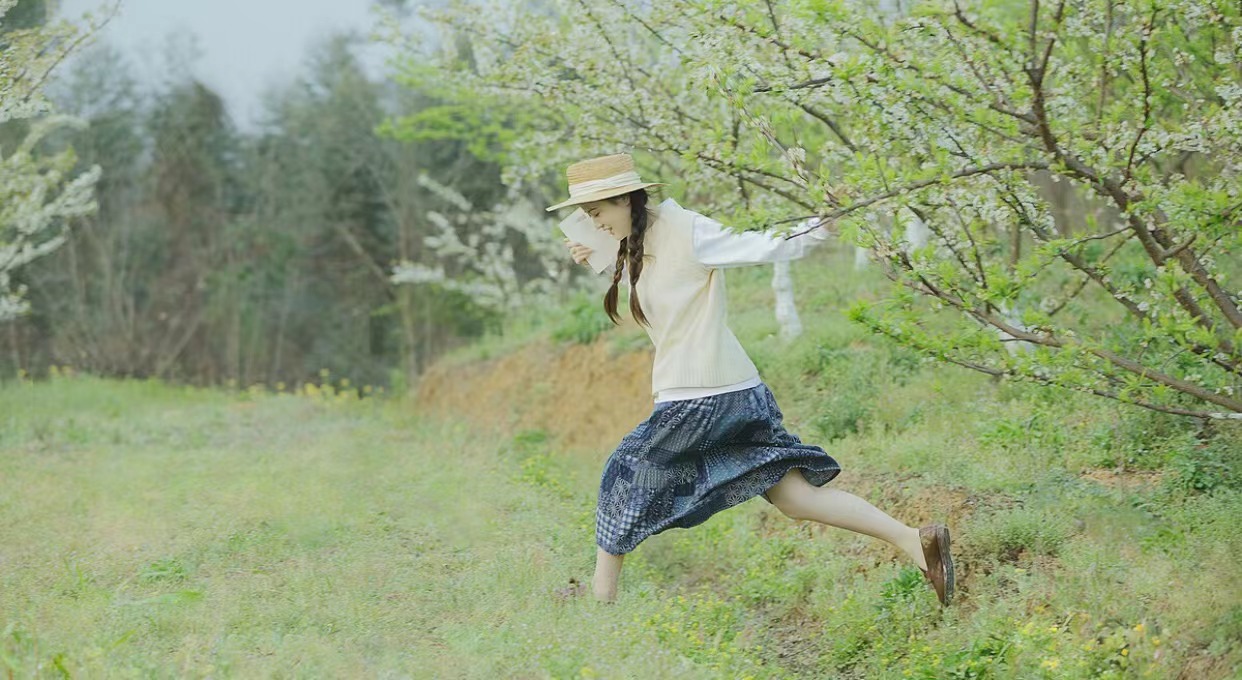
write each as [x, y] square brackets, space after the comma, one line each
[977, 119]
[37, 194]
[478, 246]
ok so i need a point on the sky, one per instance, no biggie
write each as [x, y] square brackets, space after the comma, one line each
[245, 45]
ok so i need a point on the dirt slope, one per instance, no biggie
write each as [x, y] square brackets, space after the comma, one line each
[582, 394]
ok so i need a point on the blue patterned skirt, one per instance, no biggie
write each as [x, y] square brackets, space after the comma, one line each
[692, 458]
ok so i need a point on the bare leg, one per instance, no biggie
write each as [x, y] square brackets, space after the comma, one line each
[607, 571]
[799, 499]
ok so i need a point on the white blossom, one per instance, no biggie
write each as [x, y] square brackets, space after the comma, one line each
[38, 194]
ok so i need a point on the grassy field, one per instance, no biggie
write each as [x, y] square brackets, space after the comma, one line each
[151, 531]
[158, 531]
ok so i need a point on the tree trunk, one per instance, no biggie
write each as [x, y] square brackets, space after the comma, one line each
[917, 233]
[786, 310]
[409, 335]
[17, 356]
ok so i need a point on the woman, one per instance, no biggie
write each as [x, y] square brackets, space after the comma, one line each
[714, 438]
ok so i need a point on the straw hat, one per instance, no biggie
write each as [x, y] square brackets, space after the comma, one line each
[602, 177]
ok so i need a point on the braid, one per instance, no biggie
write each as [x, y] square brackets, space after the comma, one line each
[631, 251]
[638, 218]
[610, 298]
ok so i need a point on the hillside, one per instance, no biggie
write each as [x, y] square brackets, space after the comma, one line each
[156, 530]
[1092, 537]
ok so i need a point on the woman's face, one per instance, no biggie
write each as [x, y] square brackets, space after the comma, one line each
[611, 215]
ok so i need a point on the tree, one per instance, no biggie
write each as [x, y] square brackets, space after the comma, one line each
[38, 193]
[479, 248]
[143, 286]
[954, 115]
[82, 295]
[222, 257]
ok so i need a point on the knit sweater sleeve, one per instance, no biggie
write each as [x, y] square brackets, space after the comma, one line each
[716, 246]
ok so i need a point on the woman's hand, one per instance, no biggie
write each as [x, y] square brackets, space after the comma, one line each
[579, 252]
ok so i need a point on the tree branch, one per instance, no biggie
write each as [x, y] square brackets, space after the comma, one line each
[1144, 36]
[913, 186]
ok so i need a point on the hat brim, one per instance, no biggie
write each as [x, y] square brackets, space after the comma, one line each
[604, 193]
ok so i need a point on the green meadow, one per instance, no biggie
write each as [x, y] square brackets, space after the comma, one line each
[155, 530]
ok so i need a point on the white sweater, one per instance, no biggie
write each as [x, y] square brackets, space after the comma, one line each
[683, 294]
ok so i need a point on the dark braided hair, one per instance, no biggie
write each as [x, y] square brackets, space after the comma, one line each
[631, 250]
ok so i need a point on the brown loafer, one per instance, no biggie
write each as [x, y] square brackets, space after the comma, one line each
[935, 540]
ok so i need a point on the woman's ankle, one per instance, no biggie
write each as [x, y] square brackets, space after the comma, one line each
[912, 546]
[604, 590]
[608, 596]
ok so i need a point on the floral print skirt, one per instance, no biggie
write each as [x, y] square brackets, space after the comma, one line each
[692, 458]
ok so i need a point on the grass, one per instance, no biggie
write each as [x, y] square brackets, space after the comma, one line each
[153, 530]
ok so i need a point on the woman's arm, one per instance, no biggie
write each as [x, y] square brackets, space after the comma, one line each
[716, 246]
